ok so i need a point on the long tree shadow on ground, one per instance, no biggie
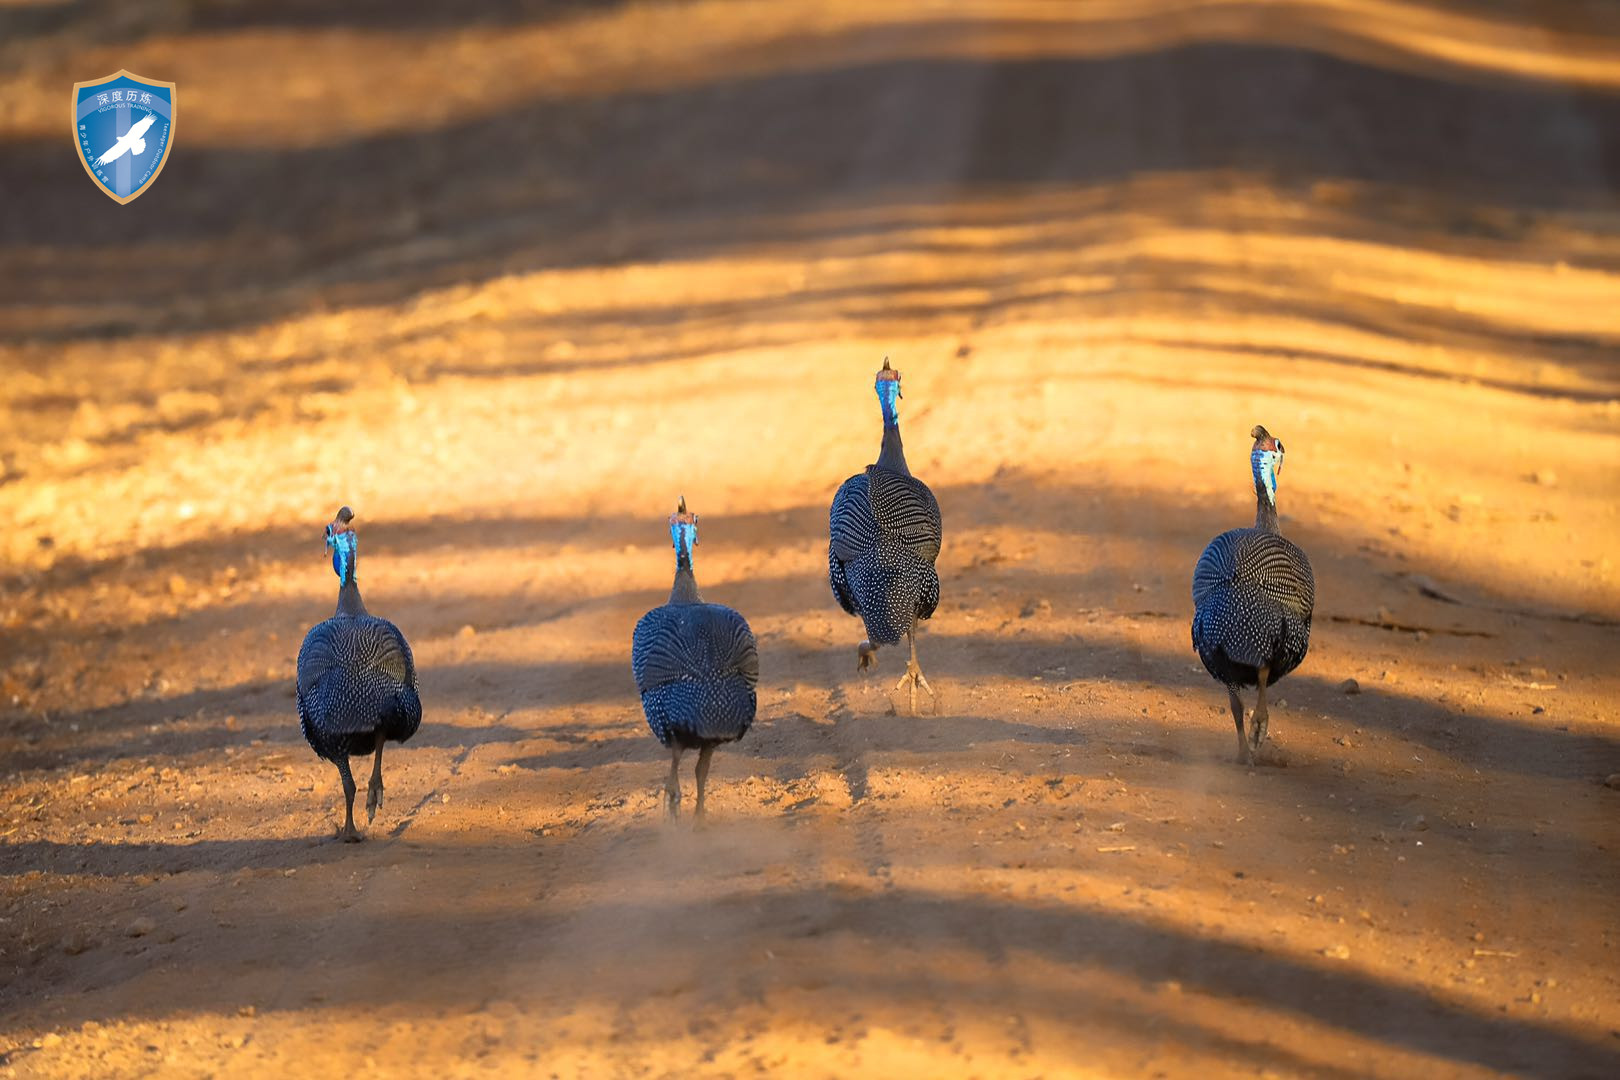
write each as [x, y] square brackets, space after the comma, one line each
[1201, 108]
[826, 928]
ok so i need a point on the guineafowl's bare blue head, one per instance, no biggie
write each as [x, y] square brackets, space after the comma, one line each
[344, 544]
[1266, 459]
[888, 392]
[683, 532]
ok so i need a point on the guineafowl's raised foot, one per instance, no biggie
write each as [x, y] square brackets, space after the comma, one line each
[374, 792]
[865, 656]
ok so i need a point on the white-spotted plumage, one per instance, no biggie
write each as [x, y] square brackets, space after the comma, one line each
[356, 674]
[1253, 593]
[697, 668]
[884, 534]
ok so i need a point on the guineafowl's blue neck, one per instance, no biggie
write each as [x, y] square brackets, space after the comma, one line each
[349, 602]
[1265, 511]
[893, 454]
[685, 590]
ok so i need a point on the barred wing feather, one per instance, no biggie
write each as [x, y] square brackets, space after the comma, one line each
[852, 524]
[1251, 559]
[906, 509]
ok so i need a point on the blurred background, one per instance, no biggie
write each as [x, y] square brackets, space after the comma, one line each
[509, 276]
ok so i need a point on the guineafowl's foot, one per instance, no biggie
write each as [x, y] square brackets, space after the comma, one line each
[1247, 745]
[672, 798]
[672, 786]
[1257, 729]
[866, 656]
[914, 675]
[347, 833]
[374, 792]
[1257, 725]
[702, 784]
[914, 678]
[1244, 756]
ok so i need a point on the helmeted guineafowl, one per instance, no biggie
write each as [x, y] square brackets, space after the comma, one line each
[696, 667]
[885, 534]
[356, 680]
[1252, 597]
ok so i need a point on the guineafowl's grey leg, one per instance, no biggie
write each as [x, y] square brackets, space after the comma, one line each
[865, 655]
[913, 674]
[347, 833]
[1257, 731]
[1237, 718]
[375, 790]
[702, 777]
[672, 786]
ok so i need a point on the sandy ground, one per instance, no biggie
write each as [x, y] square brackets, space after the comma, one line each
[508, 277]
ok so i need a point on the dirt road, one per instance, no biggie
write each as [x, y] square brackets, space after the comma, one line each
[509, 277]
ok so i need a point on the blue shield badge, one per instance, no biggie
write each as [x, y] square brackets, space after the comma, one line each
[123, 126]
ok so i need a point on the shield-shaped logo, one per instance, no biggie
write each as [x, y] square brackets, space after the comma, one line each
[123, 126]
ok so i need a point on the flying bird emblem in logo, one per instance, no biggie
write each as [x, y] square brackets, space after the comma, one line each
[123, 128]
[129, 142]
